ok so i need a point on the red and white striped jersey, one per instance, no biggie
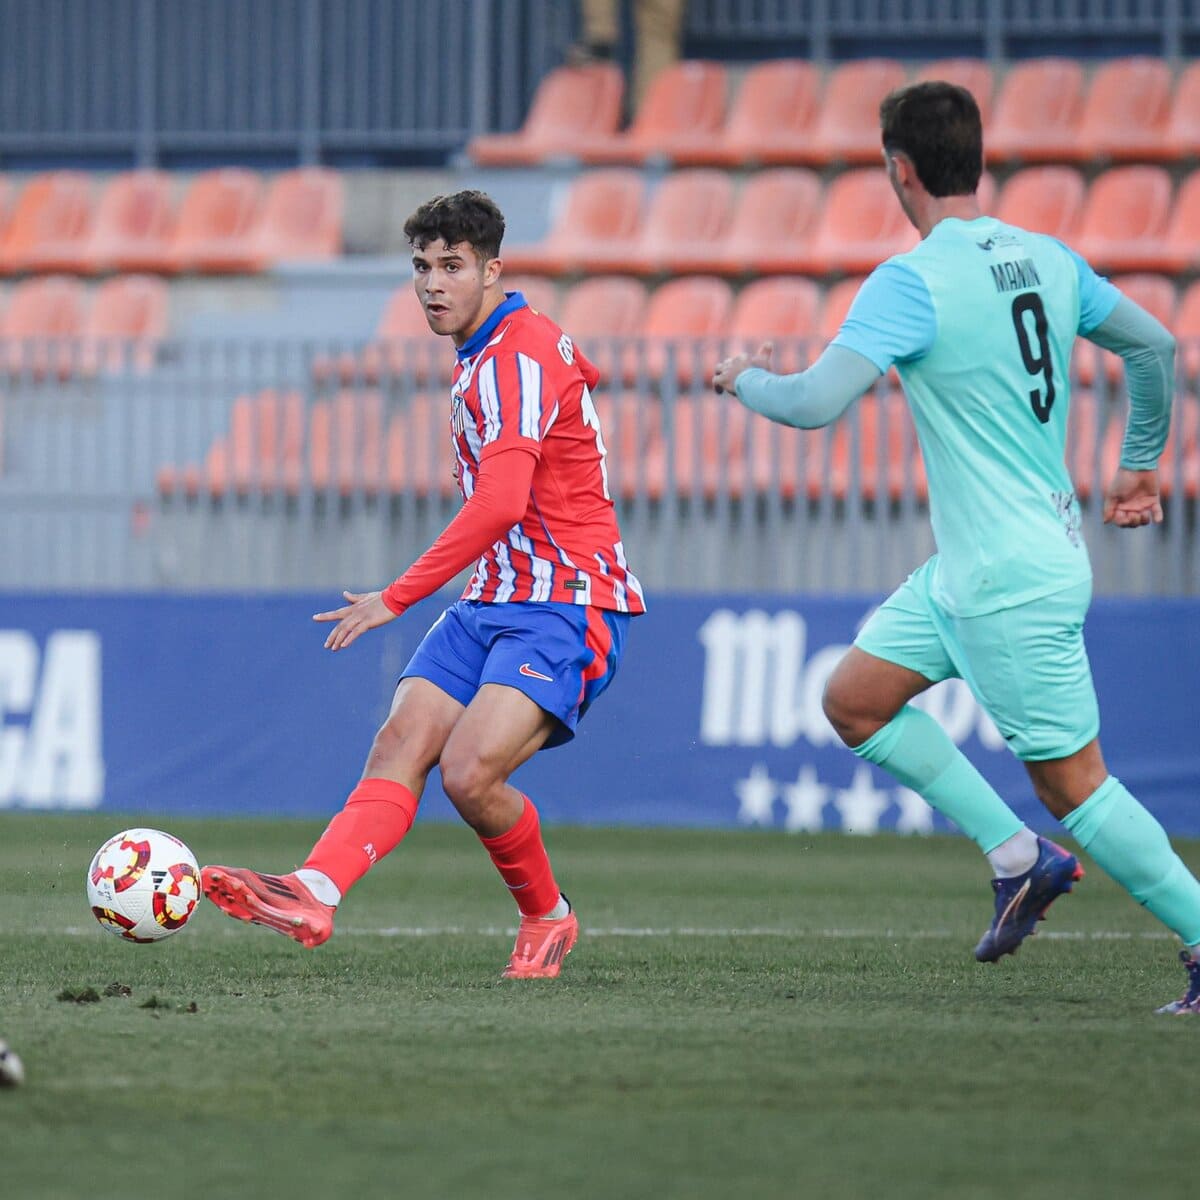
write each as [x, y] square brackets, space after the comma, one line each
[521, 382]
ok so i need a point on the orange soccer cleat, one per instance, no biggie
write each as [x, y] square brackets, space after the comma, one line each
[279, 902]
[541, 946]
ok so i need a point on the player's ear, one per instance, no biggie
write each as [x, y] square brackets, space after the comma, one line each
[491, 271]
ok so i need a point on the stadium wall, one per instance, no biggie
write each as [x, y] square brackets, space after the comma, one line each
[207, 705]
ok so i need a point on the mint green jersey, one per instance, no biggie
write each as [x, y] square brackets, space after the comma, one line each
[979, 320]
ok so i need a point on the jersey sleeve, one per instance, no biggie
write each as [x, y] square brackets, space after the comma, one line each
[1097, 297]
[892, 318]
[515, 403]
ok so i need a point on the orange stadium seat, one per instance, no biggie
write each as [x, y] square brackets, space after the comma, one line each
[600, 311]
[1182, 136]
[301, 219]
[860, 224]
[972, 73]
[602, 215]
[684, 323]
[687, 218]
[539, 292]
[1043, 199]
[345, 443]
[783, 200]
[847, 127]
[1125, 218]
[50, 224]
[41, 312]
[572, 104]
[631, 426]
[133, 225]
[6, 199]
[1037, 112]
[772, 117]
[683, 110]
[125, 323]
[218, 222]
[1187, 331]
[1178, 250]
[702, 448]
[1125, 112]
[1156, 294]
[1082, 446]
[834, 307]
[781, 310]
[419, 454]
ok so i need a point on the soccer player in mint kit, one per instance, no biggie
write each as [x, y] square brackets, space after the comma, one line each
[979, 320]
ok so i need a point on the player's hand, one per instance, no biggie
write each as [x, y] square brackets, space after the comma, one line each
[1132, 499]
[366, 610]
[725, 376]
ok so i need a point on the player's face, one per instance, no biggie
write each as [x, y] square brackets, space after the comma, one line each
[452, 284]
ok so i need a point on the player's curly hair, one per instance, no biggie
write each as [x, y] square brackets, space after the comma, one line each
[472, 217]
[937, 125]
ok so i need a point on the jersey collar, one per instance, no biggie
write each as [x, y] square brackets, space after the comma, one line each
[480, 338]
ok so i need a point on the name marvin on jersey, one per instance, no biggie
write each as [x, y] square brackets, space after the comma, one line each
[1015, 276]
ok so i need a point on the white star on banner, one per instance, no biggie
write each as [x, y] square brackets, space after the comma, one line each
[915, 815]
[861, 804]
[805, 800]
[756, 797]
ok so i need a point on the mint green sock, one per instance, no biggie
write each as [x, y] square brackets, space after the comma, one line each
[914, 748]
[1133, 848]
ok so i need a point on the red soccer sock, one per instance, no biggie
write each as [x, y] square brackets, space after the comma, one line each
[376, 816]
[521, 859]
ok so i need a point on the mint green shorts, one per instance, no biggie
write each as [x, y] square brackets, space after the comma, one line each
[1027, 666]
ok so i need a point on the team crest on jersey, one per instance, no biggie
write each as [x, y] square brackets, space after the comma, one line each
[566, 348]
[458, 412]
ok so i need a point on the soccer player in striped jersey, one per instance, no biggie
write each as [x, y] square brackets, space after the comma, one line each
[538, 633]
[979, 320]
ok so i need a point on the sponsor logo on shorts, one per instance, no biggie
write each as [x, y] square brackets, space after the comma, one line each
[528, 671]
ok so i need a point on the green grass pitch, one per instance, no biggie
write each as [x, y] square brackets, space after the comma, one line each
[746, 1014]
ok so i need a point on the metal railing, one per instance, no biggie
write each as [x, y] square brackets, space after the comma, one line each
[283, 465]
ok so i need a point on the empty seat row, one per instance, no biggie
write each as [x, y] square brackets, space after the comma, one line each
[786, 111]
[683, 326]
[53, 324]
[783, 221]
[228, 220]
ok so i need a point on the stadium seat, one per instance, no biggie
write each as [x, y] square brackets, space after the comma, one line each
[631, 425]
[834, 307]
[124, 325]
[687, 218]
[1124, 218]
[1037, 112]
[847, 126]
[403, 346]
[974, 74]
[301, 220]
[218, 222]
[860, 224]
[1044, 199]
[1082, 451]
[41, 313]
[1125, 112]
[345, 443]
[1178, 250]
[602, 215]
[771, 120]
[1187, 332]
[782, 311]
[539, 292]
[1181, 139]
[599, 312]
[133, 225]
[572, 104]
[419, 457]
[683, 109]
[784, 200]
[702, 449]
[684, 323]
[1156, 294]
[50, 224]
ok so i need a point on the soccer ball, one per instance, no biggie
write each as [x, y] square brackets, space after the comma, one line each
[143, 885]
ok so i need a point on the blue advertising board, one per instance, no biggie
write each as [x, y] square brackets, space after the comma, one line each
[158, 704]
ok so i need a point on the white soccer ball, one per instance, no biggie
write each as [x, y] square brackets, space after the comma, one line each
[12, 1070]
[143, 885]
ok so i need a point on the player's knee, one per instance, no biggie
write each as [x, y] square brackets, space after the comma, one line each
[469, 782]
[837, 702]
[400, 746]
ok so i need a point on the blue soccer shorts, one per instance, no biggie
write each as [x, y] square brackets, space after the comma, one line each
[562, 656]
[1027, 665]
